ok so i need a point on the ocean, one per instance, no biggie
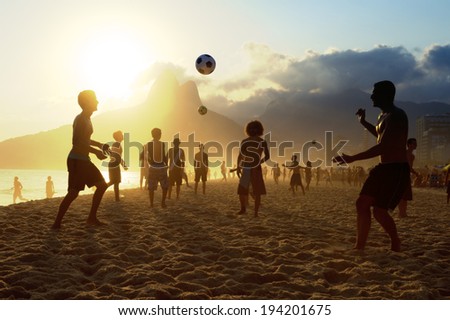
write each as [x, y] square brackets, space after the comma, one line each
[34, 181]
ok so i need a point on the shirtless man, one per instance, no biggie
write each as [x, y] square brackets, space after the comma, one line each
[156, 161]
[176, 167]
[81, 170]
[201, 168]
[387, 182]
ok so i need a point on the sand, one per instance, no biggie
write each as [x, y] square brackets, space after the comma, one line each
[198, 248]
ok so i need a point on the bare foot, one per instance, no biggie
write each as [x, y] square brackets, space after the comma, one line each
[95, 223]
[56, 226]
[241, 212]
[395, 245]
[163, 205]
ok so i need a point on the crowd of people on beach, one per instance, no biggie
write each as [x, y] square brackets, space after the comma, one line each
[383, 187]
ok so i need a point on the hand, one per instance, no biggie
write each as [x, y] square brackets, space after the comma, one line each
[361, 113]
[105, 148]
[344, 159]
[100, 155]
[239, 172]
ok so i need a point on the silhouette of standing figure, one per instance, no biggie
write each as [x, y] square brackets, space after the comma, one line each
[81, 170]
[387, 182]
[115, 176]
[49, 188]
[17, 193]
[249, 163]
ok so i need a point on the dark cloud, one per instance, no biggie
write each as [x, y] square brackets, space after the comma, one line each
[418, 79]
[438, 58]
[343, 70]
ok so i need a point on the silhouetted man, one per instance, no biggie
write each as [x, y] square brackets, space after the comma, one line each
[81, 170]
[387, 182]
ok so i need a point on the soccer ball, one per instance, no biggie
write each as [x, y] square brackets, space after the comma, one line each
[202, 110]
[205, 64]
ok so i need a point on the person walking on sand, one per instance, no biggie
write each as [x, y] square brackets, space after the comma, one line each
[276, 172]
[81, 170]
[156, 160]
[17, 190]
[411, 145]
[296, 178]
[49, 188]
[308, 174]
[223, 171]
[115, 176]
[176, 167]
[249, 163]
[201, 168]
[388, 181]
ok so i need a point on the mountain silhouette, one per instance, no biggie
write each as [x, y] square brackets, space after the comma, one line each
[169, 106]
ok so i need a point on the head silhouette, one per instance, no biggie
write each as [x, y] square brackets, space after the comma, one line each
[383, 93]
[88, 101]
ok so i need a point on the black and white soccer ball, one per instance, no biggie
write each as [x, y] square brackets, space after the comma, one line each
[202, 110]
[205, 64]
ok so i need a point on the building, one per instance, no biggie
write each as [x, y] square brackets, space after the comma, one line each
[433, 140]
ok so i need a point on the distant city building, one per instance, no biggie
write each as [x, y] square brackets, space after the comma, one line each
[433, 140]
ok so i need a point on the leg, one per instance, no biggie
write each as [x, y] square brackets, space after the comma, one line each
[257, 204]
[243, 199]
[169, 191]
[363, 220]
[163, 200]
[388, 224]
[96, 199]
[116, 191]
[178, 191]
[204, 187]
[402, 208]
[151, 196]
[64, 206]
[303, 189]
[195, 187]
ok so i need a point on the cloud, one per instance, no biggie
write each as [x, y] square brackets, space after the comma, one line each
[341, 70]
[418, 78]
[437, 58]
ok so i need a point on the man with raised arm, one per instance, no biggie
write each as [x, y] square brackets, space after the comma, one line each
[387, 182]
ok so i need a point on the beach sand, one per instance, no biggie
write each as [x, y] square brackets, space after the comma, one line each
[199, 248]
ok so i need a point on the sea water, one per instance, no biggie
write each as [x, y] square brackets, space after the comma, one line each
[34, 181]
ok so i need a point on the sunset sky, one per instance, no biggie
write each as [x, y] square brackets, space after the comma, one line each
[53, 49]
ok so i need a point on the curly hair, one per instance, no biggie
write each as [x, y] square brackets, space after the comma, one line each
[254, 128]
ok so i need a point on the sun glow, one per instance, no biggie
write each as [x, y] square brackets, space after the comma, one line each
[110, 62]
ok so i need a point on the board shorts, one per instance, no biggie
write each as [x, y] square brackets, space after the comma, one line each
[201, 174]
[115, 175]
[408, 193]
[176, 176]
[251, 177]
[83, 173]
[157, 174]
[387, 183]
